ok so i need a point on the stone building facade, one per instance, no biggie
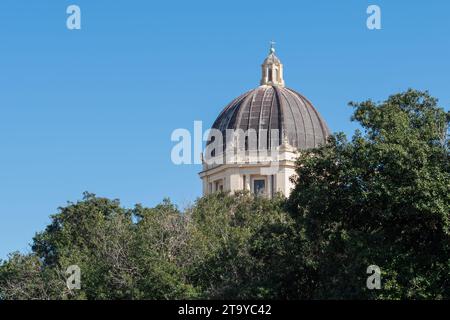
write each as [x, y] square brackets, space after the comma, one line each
[256, 138]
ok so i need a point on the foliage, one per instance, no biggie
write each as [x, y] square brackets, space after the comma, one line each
[381, 198]
[223, 239]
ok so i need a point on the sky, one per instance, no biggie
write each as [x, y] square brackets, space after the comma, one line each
[94, 109]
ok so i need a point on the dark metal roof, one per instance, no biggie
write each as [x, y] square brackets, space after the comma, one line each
[274, 107]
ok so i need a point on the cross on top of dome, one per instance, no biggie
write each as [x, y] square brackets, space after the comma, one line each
[272, 46]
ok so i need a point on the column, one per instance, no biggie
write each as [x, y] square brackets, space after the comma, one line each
[269, 186]
[247, 183]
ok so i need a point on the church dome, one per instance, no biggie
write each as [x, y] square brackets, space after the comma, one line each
[274, 106]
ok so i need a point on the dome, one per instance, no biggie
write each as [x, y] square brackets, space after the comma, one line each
[276, 107]
[264, 128]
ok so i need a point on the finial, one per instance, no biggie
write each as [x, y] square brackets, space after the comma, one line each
[272, 46]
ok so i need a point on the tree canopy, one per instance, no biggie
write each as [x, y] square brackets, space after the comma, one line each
[380, 198]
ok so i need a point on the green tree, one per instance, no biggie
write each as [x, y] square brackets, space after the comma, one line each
[381, 198]
[23, 277]
[161, 253]
[224, 266]
[122, 254]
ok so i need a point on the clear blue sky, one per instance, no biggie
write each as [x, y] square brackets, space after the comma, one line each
[93, 110]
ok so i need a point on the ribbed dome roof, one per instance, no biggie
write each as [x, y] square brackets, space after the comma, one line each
[273, 107]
